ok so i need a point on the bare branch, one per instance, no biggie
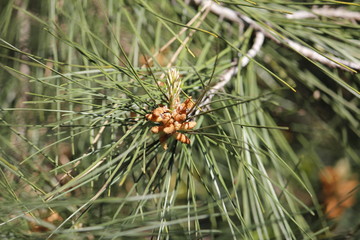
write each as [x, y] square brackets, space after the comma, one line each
[258, 42]
[226, 76]
[307, 52]
[234, 16]
[326, 12]
[221, 11]
[231, 15]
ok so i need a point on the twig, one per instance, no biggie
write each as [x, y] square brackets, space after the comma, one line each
[205, 11]
[325, 12]
[234, 16]
[166, 45]
[226, 76]
[307, 52]
[187, 39]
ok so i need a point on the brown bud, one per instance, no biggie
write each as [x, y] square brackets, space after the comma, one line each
[181, 109]
[188, 125]
[179, 117]
[182, 138]
[160, 110]
[167, 120]
[188, 103]
[156, 129]
[177, 125]
[153, 118]
[169, 129]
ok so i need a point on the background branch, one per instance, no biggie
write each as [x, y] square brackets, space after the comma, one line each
[325, 11]
[227, 75]
[234, 16]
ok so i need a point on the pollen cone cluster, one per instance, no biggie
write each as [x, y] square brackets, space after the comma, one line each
[172, 121]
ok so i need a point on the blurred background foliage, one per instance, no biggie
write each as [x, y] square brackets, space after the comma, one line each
[78, 160]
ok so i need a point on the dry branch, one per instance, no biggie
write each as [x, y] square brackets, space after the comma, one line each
[237, 17]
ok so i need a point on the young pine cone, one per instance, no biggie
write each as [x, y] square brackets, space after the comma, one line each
[172, 121]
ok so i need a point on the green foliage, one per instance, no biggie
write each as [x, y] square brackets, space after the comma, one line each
[75, 90]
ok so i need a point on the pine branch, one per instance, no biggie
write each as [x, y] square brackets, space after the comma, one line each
[227, 75]
[237, 17]
[325, 11]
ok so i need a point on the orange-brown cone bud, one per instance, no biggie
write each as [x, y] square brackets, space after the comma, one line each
[169, 129]
[156, 129]
[182, 138]
[188, 125]
[179, 117]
